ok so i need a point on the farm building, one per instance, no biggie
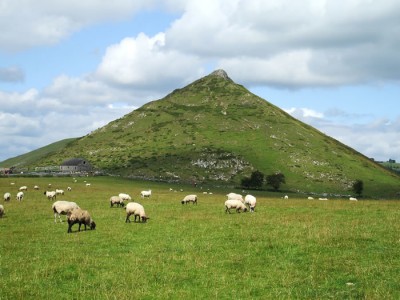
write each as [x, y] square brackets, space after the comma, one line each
[75, 165]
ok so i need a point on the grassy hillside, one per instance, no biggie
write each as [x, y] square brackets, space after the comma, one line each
[287, 249]
[31, 158]
[215, 130]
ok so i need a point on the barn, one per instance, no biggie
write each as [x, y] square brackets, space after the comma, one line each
[75, 165]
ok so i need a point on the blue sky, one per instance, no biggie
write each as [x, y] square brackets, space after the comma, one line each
[70, 67]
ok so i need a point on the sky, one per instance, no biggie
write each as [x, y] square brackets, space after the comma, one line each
[68, 67]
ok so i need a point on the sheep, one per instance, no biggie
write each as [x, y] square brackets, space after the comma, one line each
[117, 201]
[20, 196]
[310, 198]
[23, 188]
[324, 199]
[251, 201]
[88, 184]
[7, 196]
[236, 204]
[125, 197]
[190, 198]
[69, 189]
[36, 187]
[62, 207]
[136, 209]
[353, 199]
[234, 196]
[286, 197]
[145, 193]
[51, 195]
[59, 192]
[80, 216]
[1, 210]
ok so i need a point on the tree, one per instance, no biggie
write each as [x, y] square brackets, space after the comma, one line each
[358, 187]
[275, 180]
[256, 180]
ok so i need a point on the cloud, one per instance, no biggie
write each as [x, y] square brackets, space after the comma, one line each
[12, 74]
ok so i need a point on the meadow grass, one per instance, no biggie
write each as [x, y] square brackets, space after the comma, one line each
[287, 249]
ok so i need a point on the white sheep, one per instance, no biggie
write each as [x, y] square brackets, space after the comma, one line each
[118, 201]
[353, 199]
[323, 199]
[125, 197]
[20, 196]
[145, 194]
[51, 195]
[1, 210]
[251, 201]
[59, 192]
[80, 216]
[234, 196]
[23, 188]
[190, 198]
[7, 196]
[62, 207]
[236, 204]
[69, 189]
[36, 187]
[286, 197]
[136, 209]
[310, 198]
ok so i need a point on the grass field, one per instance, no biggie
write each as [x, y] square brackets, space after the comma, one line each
[287, 249]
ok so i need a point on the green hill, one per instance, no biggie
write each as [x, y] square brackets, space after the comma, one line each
[214, 130]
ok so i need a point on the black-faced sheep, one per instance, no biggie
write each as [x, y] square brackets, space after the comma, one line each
[236, 204]
[20, 196]
[251, 201]
[190, 198]
[7, 196]
[80, 216]
[116, 200]
[62, 208]
[136, 209]
[23, 188]
[51, 195]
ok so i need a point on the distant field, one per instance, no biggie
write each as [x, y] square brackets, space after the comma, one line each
[287, 249]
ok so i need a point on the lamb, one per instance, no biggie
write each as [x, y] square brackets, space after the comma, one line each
[80, 216]
[125, 197]
[62, 207]
[190, 198]
[251, 201]
[234, 196]
[236, 204]
[136, 209]
[23, 188]
[7, 196]
[51, 195]
[1, 210]
[353, 199]
[145, 193]
[59, 192]
[20, 196]
[117, 201]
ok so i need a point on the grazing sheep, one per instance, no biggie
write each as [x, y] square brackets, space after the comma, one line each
[23, 188]
[310, 198]
[353, 199]
[190, 198]
[69, 189]
[234, 196]
[62, 208]
[88, 184]
[20, 196]
[7, 196]
[251, 201]
[1, 210]
[118, 201]
[236, 204]
[145, 194]
[136, 209]
[324, 199]
[51, 195]
[286, 197]
[36, 187]
[80, 216]
[125, 197]
[59, 192]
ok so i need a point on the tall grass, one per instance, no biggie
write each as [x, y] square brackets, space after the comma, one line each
[287, 249]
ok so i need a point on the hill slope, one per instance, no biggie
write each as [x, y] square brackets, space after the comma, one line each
[216, 130]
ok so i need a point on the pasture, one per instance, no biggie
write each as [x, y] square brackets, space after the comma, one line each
[287, 249]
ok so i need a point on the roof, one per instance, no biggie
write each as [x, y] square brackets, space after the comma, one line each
[74, 162]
